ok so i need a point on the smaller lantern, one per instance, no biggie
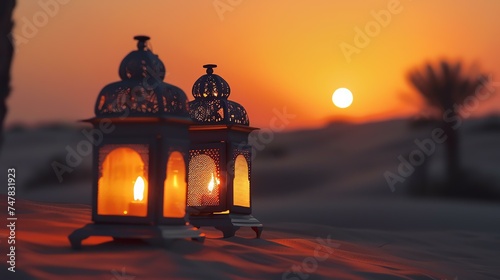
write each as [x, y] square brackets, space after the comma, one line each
[139, 170]
[220, 165]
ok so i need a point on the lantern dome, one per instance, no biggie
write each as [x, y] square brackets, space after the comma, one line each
[141, 63]
[141, 91]
[211, 104]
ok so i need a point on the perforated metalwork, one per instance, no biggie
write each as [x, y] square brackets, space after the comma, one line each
[141, 91]
[211, 86]
[236, 113]
[211, 104]
[208, 111]
[131, 98]
[204, 170]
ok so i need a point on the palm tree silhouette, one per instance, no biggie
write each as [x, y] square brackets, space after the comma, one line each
[445, 85]
[6, 51]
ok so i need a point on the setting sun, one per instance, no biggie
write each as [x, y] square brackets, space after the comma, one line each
[342, 98]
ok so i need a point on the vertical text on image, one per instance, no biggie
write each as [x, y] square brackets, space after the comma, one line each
[11, 219]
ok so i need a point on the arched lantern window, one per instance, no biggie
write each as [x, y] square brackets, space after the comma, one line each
[174, 196]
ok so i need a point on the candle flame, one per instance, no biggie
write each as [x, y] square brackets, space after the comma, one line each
[214, 181]
[139, 189]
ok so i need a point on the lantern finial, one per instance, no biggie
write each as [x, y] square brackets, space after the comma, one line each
[141, 41]
[210, 68]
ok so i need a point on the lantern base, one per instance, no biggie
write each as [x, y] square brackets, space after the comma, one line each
[227, 223]
[154, 234]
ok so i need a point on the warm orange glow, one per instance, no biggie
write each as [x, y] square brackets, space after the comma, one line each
[241, 183]
[122, 187]
[139, 189]
[174, 197]
[203, 181]
[375, 73]
[213, 182]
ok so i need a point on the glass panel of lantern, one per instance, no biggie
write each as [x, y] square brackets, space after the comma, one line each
[205, 187]
[122, 186]
[241, 181]
[174, 195]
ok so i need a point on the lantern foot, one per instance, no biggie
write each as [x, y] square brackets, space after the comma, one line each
[198, 239]
[228, 231]
[228, 224]
[258, 231]
[120, 232]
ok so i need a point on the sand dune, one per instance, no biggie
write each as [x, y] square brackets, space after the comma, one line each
[327, 210]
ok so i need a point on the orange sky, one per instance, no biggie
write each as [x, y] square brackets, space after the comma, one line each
[274, 54]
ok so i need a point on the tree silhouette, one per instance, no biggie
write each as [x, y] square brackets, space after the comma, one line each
[6, 53]
[445, 85]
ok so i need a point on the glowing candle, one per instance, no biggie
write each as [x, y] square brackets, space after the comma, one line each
[210, 197]
[175, 179]
[137, 207]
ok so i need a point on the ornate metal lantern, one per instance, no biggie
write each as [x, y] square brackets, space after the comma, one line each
[140, 171]
[220, 159]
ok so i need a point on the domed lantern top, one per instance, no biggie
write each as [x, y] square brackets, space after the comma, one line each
[141, 91]
[141, 63]
[211, 104]
[211, 85]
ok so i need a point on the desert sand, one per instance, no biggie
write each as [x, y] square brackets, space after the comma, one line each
[327, 210]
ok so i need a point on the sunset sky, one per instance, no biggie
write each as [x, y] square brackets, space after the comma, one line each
[274, 54]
